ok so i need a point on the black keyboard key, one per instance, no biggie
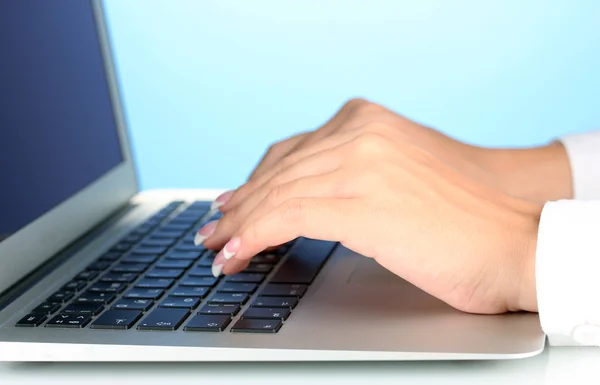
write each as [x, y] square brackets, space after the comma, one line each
[134, 304]
[132, 239]
[270, 302]
[200, 272]
[143, 229]
[188, 255]
[155, 283]
[117, 319]
[144, 294]
[175, 227]
[95, 297]
[133, 258]
[99, 265]
[230, 309]
[246, 277]
[230, 287]
[200, 206]
[60, 297]
[164, 273]
[74, 286]
[161, 242]
[188, 247]
[180, 302]
[283, 290]
[190, 291]
[120, 247]
[162, 234]
[108, 287]
[129, 268]
[266, 258]
[208, 323]
[184, 220]
[118, 277]
[91, 308]
[263, 268]
[267, 313]
[46, 308]
[199, 281]
[87, 275]
[174, 264]
[240, 298]
[69, 321]
[206, 260]
[164, 319]
[247, 325]
[31, 320]
[110, 256]
[149, 250]
[304, 262]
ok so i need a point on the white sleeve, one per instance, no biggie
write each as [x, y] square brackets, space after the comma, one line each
[568, 252]
[584, 156]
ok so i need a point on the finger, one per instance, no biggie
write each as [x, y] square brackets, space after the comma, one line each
[306, 139]
[323, 185]
[234, 266]
[277, 152]
[330, 143]
[331, 126]
[330, 219]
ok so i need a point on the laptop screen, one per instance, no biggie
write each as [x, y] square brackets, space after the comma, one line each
[57, 128]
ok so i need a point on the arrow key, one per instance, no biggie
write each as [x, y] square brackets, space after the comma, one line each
[65, 320]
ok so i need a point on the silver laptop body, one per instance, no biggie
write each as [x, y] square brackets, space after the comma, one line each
[352, 310]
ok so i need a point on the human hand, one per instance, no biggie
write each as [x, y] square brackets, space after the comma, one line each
[375, 190]
[537, 174]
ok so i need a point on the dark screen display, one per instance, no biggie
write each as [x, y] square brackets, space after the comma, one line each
[57, 127]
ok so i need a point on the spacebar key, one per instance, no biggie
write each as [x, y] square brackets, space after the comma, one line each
[304, 261]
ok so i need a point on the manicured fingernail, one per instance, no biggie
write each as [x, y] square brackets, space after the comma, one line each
[221, 200]
[226, 253]
[216, 270]
[231, 248]
[218, 263]
[206, 231]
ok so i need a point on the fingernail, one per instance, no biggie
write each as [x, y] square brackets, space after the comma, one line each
[206, 231]
[221, 200]
[231, 248]
[216, 270]
[218, 263]
[226, 253]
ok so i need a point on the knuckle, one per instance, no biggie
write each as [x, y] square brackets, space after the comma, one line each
[368, 108]
[370, 144]
[293, 210]
[256, 233]
[354, 103]
[276, 194]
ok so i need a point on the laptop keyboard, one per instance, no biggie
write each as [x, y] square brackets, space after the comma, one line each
[156, 279]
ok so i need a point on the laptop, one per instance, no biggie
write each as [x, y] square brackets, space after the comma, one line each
[92, 269]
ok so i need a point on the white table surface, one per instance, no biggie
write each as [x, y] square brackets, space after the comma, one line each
[555, 365]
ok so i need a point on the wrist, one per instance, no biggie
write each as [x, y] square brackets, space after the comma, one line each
[526, 298]
[537, 174]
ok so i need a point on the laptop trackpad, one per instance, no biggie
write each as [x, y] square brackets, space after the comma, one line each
[368, 272]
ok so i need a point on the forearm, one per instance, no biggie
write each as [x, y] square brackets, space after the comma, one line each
[537, 174]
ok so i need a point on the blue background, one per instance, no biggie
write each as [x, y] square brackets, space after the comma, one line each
[209, 84]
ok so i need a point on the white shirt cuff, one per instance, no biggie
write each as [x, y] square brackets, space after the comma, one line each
[567, 272]
[583, 151]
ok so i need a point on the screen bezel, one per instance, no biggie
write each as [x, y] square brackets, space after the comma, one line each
[31, 246]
